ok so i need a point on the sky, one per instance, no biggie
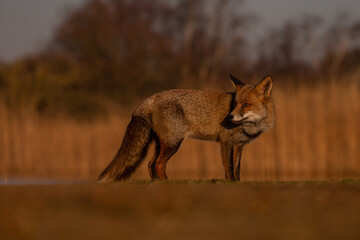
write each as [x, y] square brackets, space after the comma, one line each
[27, 25]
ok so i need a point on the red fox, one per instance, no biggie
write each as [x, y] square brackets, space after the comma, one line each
[167, 118]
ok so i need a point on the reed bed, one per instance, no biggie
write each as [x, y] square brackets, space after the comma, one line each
[316, 137]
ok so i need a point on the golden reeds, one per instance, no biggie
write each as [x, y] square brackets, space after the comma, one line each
[316, 136]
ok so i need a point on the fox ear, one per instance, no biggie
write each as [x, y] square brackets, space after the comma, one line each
[264, 87]
[236, 81]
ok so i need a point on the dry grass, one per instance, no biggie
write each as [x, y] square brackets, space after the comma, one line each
[181, 211]
[316, 137]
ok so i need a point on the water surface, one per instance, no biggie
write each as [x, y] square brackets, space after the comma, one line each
[36, 181]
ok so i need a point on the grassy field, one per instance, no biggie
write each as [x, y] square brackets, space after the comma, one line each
[182, 210]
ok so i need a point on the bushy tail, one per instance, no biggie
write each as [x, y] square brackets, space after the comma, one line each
[132, 151]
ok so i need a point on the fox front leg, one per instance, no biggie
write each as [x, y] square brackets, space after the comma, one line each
[227, 160]
[237, 162]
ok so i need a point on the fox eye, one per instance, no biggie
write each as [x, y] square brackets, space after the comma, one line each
[246, 105]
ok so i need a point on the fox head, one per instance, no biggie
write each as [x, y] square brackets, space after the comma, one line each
[250, 101]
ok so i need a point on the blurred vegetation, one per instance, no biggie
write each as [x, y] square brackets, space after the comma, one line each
[121, 51]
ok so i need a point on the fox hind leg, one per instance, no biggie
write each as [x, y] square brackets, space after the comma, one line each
[151, 165]
[166, 152]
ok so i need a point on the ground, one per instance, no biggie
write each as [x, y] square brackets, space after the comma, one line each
[182, 210]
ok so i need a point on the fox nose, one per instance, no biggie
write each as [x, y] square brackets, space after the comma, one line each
[231, 117]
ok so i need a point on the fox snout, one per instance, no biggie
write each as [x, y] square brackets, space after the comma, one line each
[235, 117]
[239, 117]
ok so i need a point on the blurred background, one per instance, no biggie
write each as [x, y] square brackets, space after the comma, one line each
[71, 72]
